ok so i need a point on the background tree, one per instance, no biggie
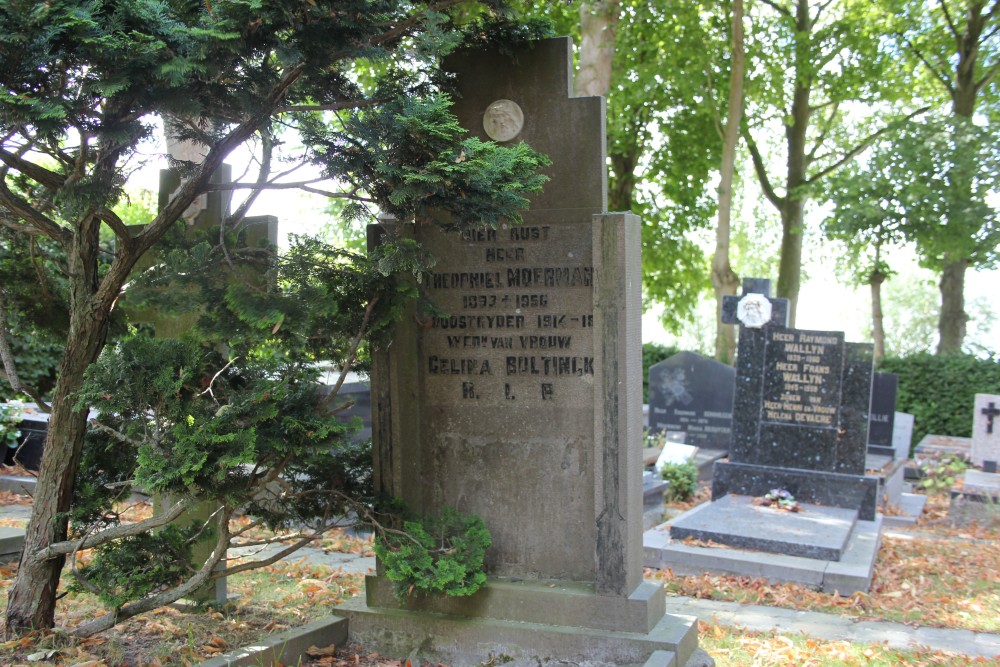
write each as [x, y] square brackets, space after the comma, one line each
[909, 189]
[663, 146]
[79, 82]
[956, 45]
[811, 65]
[724, 279]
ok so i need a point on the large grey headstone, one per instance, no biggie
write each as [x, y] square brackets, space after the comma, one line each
[986, 430]
[692, 394]
[518, 397]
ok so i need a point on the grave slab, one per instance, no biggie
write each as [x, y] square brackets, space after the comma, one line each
[977, 500]
[809, 486]
[851, 574]
[909, 508]
[813, 532]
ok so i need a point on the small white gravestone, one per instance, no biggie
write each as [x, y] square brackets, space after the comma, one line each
[674, 453]
[986, 430]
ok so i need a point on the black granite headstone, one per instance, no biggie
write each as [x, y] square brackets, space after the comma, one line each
[883, 411]
[800, 417]
[692, 394]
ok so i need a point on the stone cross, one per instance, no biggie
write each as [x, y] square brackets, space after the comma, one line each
[778, 313]
[990, 411]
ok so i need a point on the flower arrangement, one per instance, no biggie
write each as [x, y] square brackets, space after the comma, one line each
[780, 499]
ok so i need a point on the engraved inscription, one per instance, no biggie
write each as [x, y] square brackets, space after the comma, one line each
[513, 321]
[802, 378]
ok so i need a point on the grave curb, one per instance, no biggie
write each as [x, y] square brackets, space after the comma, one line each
[291, 644]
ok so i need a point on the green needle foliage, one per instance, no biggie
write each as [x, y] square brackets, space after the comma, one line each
[439, 555]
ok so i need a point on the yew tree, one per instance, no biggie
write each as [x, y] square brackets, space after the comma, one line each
[80, 84]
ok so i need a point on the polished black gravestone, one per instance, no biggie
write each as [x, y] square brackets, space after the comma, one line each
[800, 416]
[883, 411]
[692, 394]
[34, 427]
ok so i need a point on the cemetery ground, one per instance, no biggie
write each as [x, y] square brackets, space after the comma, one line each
[931, 575]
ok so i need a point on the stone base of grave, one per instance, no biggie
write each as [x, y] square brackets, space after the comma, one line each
[977, 501]
[524, 623]
[11, 544]
[735, 521]
[907, 510]
[808, 486]
[851, 573]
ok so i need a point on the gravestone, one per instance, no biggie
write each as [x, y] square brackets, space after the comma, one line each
[985, 450]
[800, 424]
[692, 394]
[882, 414]
[519, 399]
[34, 426]
[800, 417]
[902, 435]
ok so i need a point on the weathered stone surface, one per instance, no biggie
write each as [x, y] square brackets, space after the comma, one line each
[517, 397]
[902, 435]
[692, 394]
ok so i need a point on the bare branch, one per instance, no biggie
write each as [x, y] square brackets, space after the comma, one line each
[111, 534]
[784, 11]
[117, 435]
[352, 355]
[761, 170]
[942, 76]
[951, 23]
[861, 146]
[200, 578]
[353, 104]
[29, 214]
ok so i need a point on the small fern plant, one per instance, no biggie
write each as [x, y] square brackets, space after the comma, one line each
[438, 555]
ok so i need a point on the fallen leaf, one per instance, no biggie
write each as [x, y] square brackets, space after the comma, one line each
[318, 652]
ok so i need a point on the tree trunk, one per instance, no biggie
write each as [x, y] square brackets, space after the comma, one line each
[724, 279]
[951, 322]
[875, 281]
[790, 262]
[598, 23]
[793, 206]
[31, 599]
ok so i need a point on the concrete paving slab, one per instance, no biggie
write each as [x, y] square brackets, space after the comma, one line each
[829, 626]
[11, 544]
[20, 485]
